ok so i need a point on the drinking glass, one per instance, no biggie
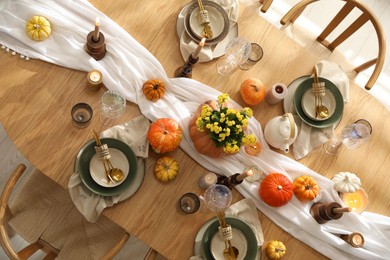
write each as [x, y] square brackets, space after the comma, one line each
[113, 105]
[236, 52]
[188, 203]
[254, 56]
[352, 136]
[81, 115]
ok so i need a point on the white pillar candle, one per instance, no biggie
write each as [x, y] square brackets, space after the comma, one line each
[207, 180]
[277, 93]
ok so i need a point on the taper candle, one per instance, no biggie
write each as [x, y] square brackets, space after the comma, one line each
[96, 32]
[199, 48]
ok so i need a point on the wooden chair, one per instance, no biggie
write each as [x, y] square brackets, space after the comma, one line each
[366, 16]
[64, 227]
[266, 5]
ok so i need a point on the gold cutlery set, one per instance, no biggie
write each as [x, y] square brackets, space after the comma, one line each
[204, 21]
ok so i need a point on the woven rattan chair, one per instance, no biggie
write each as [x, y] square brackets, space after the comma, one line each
[366, 16]
[53, 225]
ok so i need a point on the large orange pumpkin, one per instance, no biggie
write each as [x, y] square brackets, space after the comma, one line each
[276, 189]
[201, 140]
[305, 188]
[252, 91]
[164, 135]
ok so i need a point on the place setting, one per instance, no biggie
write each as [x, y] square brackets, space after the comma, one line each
[216, 21]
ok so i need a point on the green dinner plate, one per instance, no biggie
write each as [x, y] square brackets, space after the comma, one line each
[236, 223]
[338, 113]
[84, 157]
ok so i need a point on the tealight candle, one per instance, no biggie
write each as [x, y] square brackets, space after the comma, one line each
[255, 174]
[357, 200]
[199, 48]
[244, 175]
[355, 239]
[95, 36]
[276, 93]
[95, 79]
[207, 180]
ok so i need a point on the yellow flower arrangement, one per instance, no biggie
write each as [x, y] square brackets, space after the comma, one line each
[226, 125]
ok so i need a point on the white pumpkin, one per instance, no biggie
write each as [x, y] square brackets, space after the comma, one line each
[346, 182]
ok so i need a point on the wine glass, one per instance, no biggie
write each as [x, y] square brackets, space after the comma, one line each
[217, 197]
[236, 52]
[352, 136]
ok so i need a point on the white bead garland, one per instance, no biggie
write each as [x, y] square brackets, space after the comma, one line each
[13, 53]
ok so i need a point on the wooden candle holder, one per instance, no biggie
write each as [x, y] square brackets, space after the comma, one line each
[96, 49]
[185, 71]
[323, 212]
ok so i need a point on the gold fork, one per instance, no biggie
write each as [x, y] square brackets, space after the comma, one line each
[204, 21]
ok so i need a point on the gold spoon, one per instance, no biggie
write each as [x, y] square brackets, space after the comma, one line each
[115, 174]
[321, 110]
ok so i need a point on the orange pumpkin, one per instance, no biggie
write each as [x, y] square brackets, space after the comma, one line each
[201, 140]
[153, 89]
[276, 189]
[252, 91]
[305, 188]
[164, 135]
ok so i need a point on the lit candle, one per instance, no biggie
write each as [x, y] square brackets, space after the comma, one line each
[244, 175]
[255, 174]
[253, 149]
[199, 48]
[276, 93]
[207, 180]
[95, 36]
[95, 79]
[357, 200]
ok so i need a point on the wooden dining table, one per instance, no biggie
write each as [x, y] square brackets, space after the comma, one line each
[36, 98]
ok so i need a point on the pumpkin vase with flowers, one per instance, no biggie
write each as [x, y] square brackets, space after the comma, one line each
[217, 128]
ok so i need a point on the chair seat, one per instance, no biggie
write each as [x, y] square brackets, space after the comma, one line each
[49, 208]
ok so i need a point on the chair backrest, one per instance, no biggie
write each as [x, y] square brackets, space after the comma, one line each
[266, 5]
[6, 215]
[366, 15]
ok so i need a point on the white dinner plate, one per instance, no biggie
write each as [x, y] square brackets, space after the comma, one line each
[118, 160]
[219, 22]
[308, 104]
[217, 245]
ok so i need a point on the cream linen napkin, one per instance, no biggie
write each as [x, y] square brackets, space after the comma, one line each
[188, 46]
[134, 134]
[245, 210]
[309, 137]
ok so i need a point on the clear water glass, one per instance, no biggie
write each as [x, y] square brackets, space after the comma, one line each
[217, 197]
[113, 105]
[236, 52]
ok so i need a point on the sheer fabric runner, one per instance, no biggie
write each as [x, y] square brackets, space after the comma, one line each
[72, 21]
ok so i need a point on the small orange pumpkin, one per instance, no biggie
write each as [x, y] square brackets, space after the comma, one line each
[166, 169]
[153, 89]
[305, 188]
[252, 91]
[164, 135]
[276, 189]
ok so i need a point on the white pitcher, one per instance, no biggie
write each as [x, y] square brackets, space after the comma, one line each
[281, 131]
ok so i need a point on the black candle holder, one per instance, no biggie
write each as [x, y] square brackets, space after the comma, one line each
[96, 49]
[185, 71]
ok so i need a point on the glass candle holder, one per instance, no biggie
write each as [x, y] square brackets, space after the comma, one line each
[188, 203]
[81, 115]
[357, 201]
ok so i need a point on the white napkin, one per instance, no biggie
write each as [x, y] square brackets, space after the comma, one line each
[310, 137]
[245, 210]
[188, 46]
[91, 204]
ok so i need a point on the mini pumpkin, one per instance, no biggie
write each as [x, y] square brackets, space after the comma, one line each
[164, 135]
[305, 188]
[276, 189]
[38, 28]
[275, 249]
[153, 89]
[252, 91]
[346, 182]
[166, 169]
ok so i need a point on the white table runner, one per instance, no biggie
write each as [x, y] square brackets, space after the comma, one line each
[72, 20]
